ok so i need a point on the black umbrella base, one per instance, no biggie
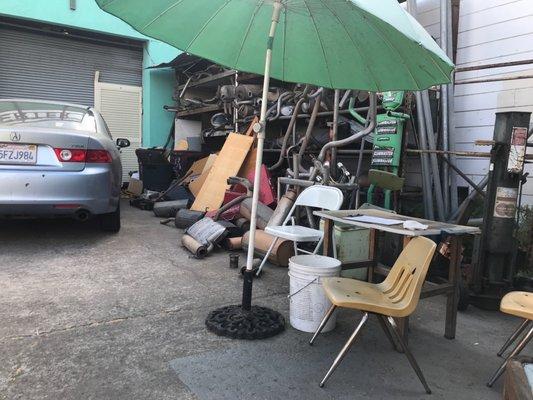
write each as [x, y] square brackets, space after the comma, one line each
[237, 323]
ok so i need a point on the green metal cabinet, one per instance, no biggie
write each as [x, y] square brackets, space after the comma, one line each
[352, 244]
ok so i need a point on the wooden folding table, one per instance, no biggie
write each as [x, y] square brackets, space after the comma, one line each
[449, 288]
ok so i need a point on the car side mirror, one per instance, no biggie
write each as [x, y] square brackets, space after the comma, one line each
[121, 142]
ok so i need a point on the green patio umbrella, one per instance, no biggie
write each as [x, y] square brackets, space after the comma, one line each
[342, 44]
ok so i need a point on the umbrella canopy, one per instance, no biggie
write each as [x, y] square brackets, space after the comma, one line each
[342, 44]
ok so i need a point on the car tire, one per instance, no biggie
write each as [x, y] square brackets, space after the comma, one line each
[111, 222]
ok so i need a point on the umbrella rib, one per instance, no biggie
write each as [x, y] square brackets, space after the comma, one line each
[177, 3]
[320, 41]
[257, 8]
[207, 23]
[355, 44]
[283, 43]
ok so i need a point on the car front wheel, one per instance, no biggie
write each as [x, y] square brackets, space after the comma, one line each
[111, 222]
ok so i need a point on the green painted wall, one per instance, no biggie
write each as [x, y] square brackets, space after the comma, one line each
[158, 85]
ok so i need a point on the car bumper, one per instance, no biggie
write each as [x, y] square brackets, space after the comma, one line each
[40, 193]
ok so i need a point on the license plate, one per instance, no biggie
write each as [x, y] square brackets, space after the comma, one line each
[18, 153]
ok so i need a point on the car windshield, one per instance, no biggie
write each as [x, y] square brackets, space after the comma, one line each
[21, 113]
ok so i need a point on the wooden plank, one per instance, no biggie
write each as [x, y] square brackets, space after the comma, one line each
[454, 275]
[228, 163]
[436, 290]
[516, 385]
[434, 227]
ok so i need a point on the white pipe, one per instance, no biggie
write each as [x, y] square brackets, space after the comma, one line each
[260, 130]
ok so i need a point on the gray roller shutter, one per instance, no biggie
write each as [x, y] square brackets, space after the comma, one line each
[40, 65]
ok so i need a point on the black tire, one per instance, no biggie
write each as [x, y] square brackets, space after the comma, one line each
[111, 222]
[464, 296]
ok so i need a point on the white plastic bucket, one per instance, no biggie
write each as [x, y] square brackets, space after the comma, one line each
[308, 302]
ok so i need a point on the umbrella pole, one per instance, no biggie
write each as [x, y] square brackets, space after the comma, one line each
[244, 321]
[259, 128]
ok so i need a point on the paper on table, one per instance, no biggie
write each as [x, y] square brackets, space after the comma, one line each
[375, 220]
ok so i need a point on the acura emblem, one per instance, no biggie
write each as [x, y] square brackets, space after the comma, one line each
[15, 137]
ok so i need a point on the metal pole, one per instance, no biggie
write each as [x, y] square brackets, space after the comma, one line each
[437, 187]
[424, 160]
[444, 105]
[259, 128]
[454, 196]
[424, 157]
[335, 132]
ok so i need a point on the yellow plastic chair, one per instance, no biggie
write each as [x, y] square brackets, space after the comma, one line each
[519, 304]
[396, 297]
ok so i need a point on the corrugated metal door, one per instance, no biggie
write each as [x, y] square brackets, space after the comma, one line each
[36, 64]
[121, 107]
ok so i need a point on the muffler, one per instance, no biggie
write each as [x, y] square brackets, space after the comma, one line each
[82, 215]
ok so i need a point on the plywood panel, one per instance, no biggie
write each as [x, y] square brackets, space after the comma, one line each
[228, 163]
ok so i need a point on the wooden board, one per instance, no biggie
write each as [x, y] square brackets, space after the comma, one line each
[228, 163]
[434, 227]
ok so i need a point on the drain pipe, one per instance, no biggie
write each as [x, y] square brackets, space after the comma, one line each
[424, 160]
[454, 200]
[371, 118]
[422, 138]
[433, 157]
[444, 107]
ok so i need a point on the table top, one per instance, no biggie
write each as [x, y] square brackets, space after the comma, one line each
[434, 227]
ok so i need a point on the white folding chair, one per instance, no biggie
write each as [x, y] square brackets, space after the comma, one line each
[317, 196]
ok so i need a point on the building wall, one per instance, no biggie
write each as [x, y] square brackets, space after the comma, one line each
[157, 85]
[490, 31]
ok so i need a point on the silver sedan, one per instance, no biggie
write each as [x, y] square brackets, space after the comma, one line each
[58, 159]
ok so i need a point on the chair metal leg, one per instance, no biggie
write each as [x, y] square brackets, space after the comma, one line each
[323, 323]
[266, 256]
[514, 336]
[386, 329]
[345, 349]
[317, 247]
[408, 354]
[516, 351]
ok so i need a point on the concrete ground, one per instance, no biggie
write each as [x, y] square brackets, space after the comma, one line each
[88, 315]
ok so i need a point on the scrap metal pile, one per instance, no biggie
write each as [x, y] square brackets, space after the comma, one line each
[315, 136]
